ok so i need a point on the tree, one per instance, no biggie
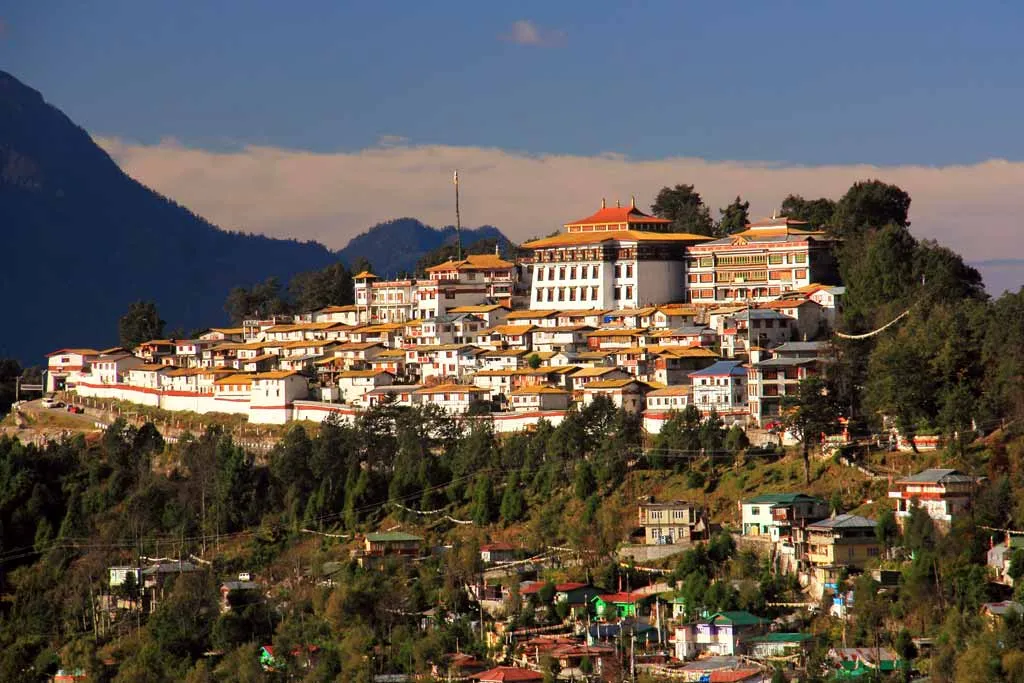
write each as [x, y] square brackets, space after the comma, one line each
[141, 323]
[869, 205]
[812, 412]
[685, 208]
[817, 212]
[734, 218]
[513, 506]
[317, 289]
[484, 505]
[584, 483]
[533, 361]
[887, 530]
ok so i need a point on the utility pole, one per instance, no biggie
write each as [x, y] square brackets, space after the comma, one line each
[458, 219]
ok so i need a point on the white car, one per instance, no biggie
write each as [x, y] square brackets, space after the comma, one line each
[50, 402]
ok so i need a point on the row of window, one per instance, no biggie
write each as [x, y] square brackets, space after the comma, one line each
[581, 272]
[553, 294]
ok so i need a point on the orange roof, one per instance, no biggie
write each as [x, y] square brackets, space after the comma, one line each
[235, 379]
[610, 383]
[510, 330]
[80, 352]
[276, 374]
[365, 275]
[569, 239]
[620, 215]
[531, 314]
[622, 332]
[473, 262]
[530, 391]
[674, 390]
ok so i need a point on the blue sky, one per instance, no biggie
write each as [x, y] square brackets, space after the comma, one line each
[807, 83]
[318, 119]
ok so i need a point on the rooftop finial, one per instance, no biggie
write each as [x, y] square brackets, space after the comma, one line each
[632, 202]
[775, 213]
[604, 204]
[618, 204]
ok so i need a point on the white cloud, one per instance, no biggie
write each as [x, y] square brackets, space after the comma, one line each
[524, 32]
[331, 197]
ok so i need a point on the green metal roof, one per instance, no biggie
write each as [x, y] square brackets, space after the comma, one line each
[777, 498]
[736, 618]
[393, 536]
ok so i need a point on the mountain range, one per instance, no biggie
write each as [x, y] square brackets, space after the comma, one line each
[82, 240]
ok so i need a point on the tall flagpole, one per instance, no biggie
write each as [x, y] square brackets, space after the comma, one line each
[458, 220]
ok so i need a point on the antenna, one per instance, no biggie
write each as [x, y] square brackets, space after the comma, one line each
[458, 220]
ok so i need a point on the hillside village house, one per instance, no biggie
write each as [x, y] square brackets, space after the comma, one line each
[392, 544]
[627, 394]
[669, 399]
[354, 384]
[578, 380]
[111, 367]
[769, 258]
[273, 393]
[401, 394]
[65, 366]
[721, 387]
[775, 514]
[616, 258]
[668, 522]
[1000, 557]
[843, 540]
[539, 398]
[455, 398]
[945, 494]
[722, 633]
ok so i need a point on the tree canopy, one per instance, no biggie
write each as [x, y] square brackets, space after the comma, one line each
[139, 324]
[684, 207]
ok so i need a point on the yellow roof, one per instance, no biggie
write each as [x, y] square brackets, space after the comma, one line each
[510, 330]
[391, 353]
[472, 262]
[501, 353]
[228, 330]
[573, 239]
[530, 315]
[674, 390]
[594, 372]
[610, 383]
[364, 275]
[623, 312]
[276, 374]
[381, 327]
[339, 309]
[238, 379]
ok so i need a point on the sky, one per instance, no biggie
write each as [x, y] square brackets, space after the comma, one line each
[317, 119]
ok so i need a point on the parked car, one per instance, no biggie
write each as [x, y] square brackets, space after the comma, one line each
[50, 402]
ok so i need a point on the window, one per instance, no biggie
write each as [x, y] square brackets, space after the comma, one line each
[593, 272]
[561, 293]
[755, 511]
[801, 258]
[572, 273]
[540, 274]
[629, 270]
[617, 297]
[593, 293]
[629, 291]
[618, 272]
[572, 294]
[561, 273]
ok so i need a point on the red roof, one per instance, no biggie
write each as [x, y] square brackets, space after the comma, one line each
[570, 586]
[531, 587]
[507, 673]
[619, 214]
[623, 597]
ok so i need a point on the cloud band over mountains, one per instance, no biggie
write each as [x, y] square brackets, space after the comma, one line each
[330, 197]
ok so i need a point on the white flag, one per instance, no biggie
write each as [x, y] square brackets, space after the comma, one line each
[456, 177]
